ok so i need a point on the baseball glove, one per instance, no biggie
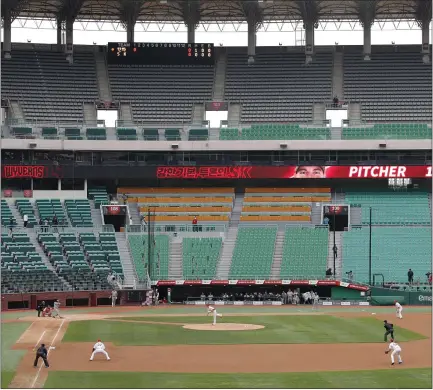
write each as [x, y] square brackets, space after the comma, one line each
[386, 352]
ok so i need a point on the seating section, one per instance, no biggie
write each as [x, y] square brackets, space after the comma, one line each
[96, 133]
[198, 135]
[25, 208]
[389, 131]
[276, 131]
[84, 260]
[227, 134]
[394, 86]
[99, 195]
[47, 86]
[253, 253]
[305, 253]
[393, 250]
[163, 93]
[79, 212]
[209, 205]
[7, 218]
[151, 134]
[73, 134]
[392, 208]
[138, 245]
[22, 268]
[172, 134]
[22, 132]
[125, 134]
[281, 204]
[48, 208]
[200, 257]
[278, 87]
[50, 133]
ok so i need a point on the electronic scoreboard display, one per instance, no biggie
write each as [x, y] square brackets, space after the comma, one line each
[160, 53]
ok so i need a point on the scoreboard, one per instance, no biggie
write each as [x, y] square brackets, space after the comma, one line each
[160, 53]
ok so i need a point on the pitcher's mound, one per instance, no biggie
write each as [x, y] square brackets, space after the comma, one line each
[223, 326]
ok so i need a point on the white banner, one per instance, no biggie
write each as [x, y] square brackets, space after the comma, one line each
[238, 303]
[326, 303]
[206, 281]
[345, 303]
[286, 281]
[260, 281]
[312, 282]
[219, 303]
[180, 282]
[344, 284]
[364, 303]
[200, 303]
[257, 303]
[233, 281]
[276, 303]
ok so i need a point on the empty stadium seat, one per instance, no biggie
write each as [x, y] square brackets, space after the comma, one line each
[25, 208]
[79, 212]
[126, 134]
[7, 218]
[200, 257]
[389, 131]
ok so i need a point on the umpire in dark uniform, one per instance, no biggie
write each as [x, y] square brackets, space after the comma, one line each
[40, 308]
[389, 330]
[41, 353]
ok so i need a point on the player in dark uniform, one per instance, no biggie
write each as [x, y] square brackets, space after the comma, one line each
[389, 330]
[41, 353]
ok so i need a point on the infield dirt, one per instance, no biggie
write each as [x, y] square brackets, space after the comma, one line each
[215, 358]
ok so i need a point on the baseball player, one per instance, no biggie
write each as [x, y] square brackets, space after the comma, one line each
[316, 299]
[395, 349]
[113, 298]
[46, 312]
[99, 347]
[398, 310]
[56, 312]
[211, 309]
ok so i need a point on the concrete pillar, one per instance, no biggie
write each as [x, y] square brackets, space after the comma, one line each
[252, 38]
[367, 41]
[425, 37]
[130, 27]
[7, 28]
[309, 42]
[59, 184]
[191, 33]
[69, 47]
[59, 33]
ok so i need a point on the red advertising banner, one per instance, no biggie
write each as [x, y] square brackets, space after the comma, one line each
[296, 172]
[30, 171]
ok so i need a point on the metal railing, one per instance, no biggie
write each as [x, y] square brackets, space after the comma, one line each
[177, 228]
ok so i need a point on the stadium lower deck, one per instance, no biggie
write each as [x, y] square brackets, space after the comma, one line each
[252, 233]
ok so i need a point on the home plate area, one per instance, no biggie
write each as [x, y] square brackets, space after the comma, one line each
[223, 326]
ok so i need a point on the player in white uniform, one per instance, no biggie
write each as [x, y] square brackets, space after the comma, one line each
[395, 349]
[56, 311]
[113, 298]
[316, 300]
[99, 347]
[398, 310]
[211, 309]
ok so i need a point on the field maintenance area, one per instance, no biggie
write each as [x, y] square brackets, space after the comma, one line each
[177, 347]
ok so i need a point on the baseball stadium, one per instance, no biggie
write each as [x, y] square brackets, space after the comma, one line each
[205, 213]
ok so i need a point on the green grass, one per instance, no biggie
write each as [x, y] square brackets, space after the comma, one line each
[401, 378]
[278, 330]
[10, 333]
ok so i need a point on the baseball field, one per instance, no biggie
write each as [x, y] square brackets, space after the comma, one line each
[250, 347]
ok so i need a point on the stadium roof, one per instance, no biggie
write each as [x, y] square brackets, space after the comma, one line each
[214, 10]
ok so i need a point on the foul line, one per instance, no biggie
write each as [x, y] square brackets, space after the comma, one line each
[49, 350]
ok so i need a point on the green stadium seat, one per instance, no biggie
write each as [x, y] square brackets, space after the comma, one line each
[227, 134]
[198, 135]
[73, 134]
[22, 132]
[49, 133]
[151, 134]
[172, 134]
[126, 134]
[200, 257]
[96, 133]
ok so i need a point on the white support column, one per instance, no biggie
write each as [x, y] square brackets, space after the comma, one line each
[367, 41]
[7, 31]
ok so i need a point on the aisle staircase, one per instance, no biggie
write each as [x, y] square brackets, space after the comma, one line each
[129, 272]
[175, 265]
[278, 254]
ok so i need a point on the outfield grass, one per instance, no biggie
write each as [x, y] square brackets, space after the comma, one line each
[401, 378]
[278, 330]
[11, 332]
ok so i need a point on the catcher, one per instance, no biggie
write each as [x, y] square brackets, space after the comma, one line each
[47, 312]
[395, 349]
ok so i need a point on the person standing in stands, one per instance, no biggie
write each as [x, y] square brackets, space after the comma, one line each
[11, 224]
[335, 250]
[194, 224]
[26, 220]
[410, 276]
[41, 353]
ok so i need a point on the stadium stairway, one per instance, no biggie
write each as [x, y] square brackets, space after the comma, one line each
[220, 75]
[134, 213]
[175, 265]
[96, 214]
[130, 275]
[278, 254]
[316, 213]
[102, 77]
[338, 260]
[355, 215]
[224, 264]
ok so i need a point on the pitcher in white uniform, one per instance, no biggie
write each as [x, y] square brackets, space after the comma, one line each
[113, 298]
[398, 310]
[99, 347]
[395, 350]
[211, 309]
